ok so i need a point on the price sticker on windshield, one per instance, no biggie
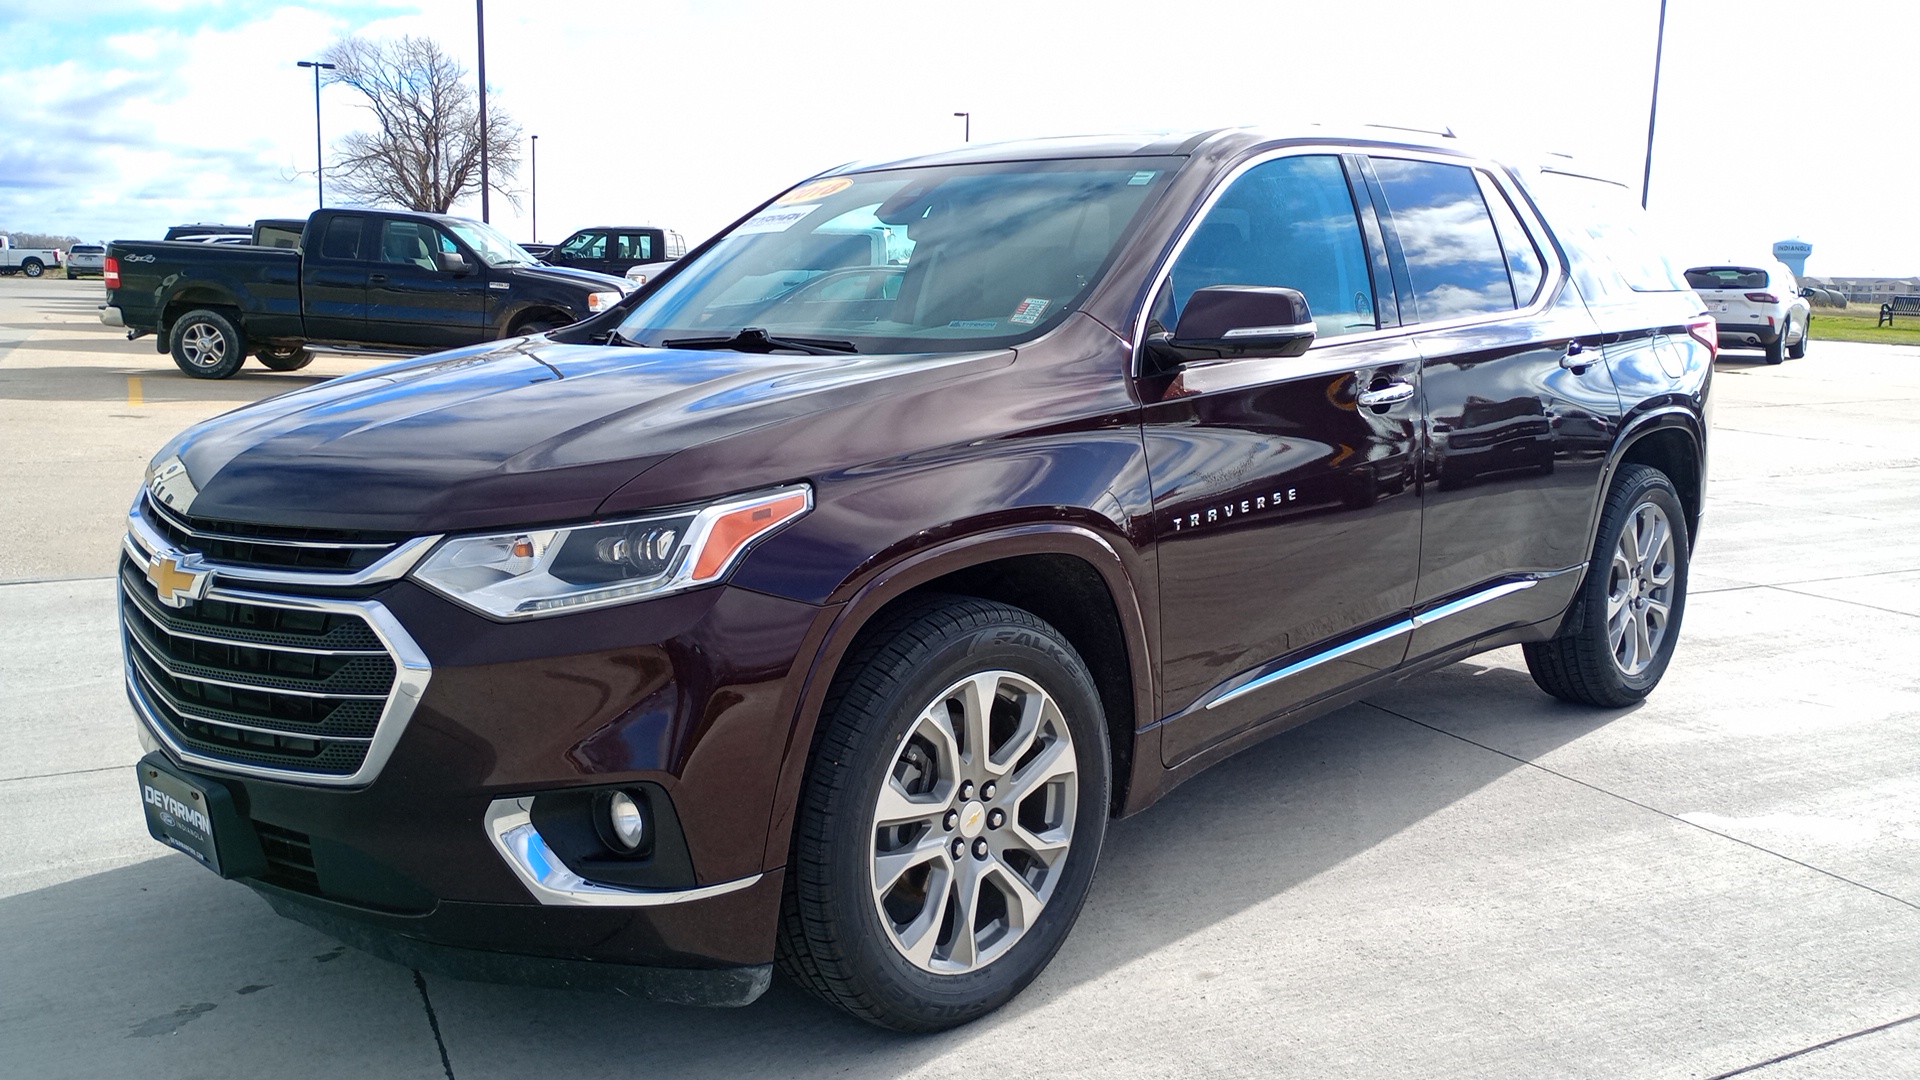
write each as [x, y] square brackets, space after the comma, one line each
[1029, 311]
[815, 191]
[775, 219]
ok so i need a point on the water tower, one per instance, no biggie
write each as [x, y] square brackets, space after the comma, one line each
[1794, 253]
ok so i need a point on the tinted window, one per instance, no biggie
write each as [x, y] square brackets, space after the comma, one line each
[343, 239]
[1288, 223]
[1523, 255]
[1446, 234]
[1727, 277]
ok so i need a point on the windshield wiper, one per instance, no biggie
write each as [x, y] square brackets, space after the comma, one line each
[755, 340]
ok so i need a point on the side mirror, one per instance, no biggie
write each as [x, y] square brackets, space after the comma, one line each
[454, 263]
[1224, 321]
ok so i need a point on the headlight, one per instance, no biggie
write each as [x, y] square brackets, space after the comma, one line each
[534, 572]
[601, 301]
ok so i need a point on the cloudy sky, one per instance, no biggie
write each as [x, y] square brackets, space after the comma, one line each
[125, 116]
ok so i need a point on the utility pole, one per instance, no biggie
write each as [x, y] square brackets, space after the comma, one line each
[536, 189]
[319, 156]
[480, 22]
[1653, 111]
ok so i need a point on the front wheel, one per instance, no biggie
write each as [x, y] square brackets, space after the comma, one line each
[284, 357]
[206, 345]
[1625, 620]
[32, 268]
[952, 817]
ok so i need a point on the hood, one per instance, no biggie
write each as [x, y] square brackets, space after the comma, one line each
[567, 275]
[508, 434]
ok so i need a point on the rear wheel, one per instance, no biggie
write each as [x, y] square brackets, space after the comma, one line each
[284, 358]
[1777, 348]
[1625, 620]
[206, 345]
[1798, 350]
[32, 268]
[953, 813]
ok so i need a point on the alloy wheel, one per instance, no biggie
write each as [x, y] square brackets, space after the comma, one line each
[1640, 589]
[204, 345]
[973, 821]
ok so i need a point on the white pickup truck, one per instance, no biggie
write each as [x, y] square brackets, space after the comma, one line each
[29, 261]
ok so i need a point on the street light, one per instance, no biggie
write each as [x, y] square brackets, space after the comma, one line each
[480, 20]
[967, 133]
[319, 160]
[1653, 110]
[536, 189]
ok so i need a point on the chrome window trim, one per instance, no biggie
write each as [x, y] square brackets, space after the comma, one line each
[145, 543]
[1217, 697]
[1554, 268]
[509, 825]
[412, 673]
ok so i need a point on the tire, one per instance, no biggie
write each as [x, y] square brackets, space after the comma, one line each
[1798, 350]
[1637, 592]
[284, 358]
[206, 345]
[1777, 348]
[32, 268]
[1026, 857]
[534, 326]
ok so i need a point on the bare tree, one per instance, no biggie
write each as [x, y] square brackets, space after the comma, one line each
[425, 154]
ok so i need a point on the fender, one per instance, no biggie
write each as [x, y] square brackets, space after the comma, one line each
[841, 623]
[1638, 427]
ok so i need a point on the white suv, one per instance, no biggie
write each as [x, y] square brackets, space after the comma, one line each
[1756, 307]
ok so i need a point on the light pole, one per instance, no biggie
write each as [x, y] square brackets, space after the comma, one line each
[1653, 110]
[480, 22]
[967, 131]
[536, 189]
[319, 160]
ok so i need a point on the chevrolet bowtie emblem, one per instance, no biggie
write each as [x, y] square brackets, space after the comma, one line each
[174, 585]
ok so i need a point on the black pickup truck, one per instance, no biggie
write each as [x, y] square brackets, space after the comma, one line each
[366, 279]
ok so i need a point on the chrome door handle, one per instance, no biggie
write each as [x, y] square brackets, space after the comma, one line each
[1576, 360]
[1390, 394]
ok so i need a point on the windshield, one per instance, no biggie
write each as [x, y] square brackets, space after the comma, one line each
[910, 260]
[493, 248]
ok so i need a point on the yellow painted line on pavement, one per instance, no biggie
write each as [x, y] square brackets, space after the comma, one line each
[136, 396]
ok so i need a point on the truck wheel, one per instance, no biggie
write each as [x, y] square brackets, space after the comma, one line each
[206, 345]
[1625, 620]
[284, 358]
[32, 268]
[951, 819]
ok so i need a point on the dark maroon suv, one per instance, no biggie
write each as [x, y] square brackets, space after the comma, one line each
[819, 605]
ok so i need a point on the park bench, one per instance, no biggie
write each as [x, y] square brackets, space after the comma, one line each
[1899, 305]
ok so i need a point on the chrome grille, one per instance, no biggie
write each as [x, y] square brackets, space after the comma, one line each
[289, 687]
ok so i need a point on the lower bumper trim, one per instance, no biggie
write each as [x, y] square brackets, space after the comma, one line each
[726, 987]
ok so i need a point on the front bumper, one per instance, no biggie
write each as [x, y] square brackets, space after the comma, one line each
[427, 859]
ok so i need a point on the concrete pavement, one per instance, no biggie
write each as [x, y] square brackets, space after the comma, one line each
[1459, 877]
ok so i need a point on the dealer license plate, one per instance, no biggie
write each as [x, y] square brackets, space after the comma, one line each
[178, 815]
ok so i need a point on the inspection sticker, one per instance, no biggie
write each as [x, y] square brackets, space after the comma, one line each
[1141, 178]
[1029, 311]
[775, 219]
[815, 191]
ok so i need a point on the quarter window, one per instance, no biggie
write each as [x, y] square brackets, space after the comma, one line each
[1289, 223]
[1453, 255]
[1523, 255]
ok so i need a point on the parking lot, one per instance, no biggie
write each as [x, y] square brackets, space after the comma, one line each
[1458, 877]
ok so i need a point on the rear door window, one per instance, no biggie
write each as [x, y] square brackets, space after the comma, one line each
[342, 239]
[1289, 223]
[1454, 259]
[634, 246]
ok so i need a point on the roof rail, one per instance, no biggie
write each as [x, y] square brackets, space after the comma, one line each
[1444, 132]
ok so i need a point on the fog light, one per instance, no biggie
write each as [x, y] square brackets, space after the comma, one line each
[625, 821]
